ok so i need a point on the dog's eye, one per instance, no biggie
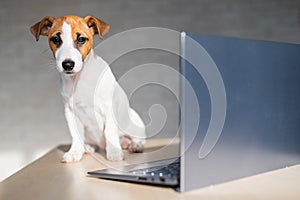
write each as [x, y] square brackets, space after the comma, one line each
[56, 40]
[81, 40]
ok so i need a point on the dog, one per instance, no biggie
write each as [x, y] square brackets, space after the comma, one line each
[96, 108]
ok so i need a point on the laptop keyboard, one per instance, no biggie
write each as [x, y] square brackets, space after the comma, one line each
[169, 170]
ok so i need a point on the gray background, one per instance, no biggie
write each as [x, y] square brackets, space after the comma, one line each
[31, 116]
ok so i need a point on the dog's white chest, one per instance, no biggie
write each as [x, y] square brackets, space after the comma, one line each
[84, 96]
[87, 115]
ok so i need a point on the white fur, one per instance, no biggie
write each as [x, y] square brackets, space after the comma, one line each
[96, 107]
[67, 50]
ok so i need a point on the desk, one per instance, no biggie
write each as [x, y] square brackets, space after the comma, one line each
[48, 178]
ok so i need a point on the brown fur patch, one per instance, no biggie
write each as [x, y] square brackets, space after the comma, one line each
[86, 27]
[78, 26]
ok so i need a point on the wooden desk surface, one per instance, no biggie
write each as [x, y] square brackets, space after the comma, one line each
[47, 178]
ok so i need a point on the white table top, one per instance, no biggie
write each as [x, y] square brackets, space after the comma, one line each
[48, 178]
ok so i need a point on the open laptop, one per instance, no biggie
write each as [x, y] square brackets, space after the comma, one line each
[240, 104]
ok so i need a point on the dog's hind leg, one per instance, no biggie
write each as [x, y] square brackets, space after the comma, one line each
[134, 139]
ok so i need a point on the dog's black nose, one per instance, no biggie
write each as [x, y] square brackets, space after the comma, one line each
[68, 65]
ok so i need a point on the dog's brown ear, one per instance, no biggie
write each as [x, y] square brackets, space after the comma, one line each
[99, 27]
[42, 27]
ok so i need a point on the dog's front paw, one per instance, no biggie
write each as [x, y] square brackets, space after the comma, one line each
[72, 156]
[114, 154]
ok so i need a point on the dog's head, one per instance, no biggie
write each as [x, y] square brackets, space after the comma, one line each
[70, 39]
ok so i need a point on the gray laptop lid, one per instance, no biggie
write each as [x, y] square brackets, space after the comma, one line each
[247, 108]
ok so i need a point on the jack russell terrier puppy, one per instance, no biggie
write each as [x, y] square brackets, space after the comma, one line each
[96, 107]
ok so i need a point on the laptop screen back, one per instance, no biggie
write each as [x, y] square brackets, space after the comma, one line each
[240, 108]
